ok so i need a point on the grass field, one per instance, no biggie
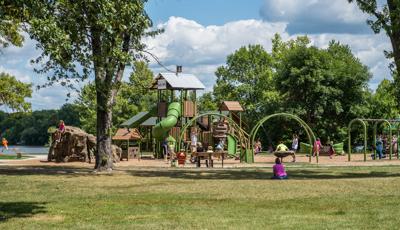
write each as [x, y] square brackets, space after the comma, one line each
[11, 157]
[315, 197]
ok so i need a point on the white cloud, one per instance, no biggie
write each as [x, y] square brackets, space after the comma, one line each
[316, 16]
[201, 49]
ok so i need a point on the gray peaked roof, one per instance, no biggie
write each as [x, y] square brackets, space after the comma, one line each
[180, 81]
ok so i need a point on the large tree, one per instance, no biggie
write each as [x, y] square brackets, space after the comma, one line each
[10, 32]
[84, 37]
[247, 78]
[386, 17]
[13, 93]
[383, 102]
[325, 87]
[134, 96]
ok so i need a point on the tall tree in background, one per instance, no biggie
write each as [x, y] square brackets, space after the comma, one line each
[247, 78]
[386, 17]
[82, 37]
[14, 92]
[325, 87]
[384, 103]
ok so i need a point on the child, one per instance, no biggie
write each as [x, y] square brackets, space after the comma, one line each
[317, 147]
[5, 144]
[279, 170]
[281, 147]
[60, 131]
[61, 126]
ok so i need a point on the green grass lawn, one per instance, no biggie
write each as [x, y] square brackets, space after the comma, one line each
[11, 157]
[313, 198]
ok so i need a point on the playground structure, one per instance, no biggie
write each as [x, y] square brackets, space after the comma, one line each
[307, 129]
[364, 122]
[175, 117]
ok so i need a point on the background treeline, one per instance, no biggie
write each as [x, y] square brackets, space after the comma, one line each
[326, 87]
[30, 128]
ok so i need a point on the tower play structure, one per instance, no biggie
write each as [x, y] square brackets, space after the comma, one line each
[177, 118]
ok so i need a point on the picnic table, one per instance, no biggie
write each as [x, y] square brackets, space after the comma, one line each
[208, 157]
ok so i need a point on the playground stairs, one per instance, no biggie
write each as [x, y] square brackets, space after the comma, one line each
[238, 121]
[202, 125]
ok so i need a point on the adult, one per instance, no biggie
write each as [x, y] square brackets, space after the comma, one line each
[257, 146]
[193, 140]
[295, 142]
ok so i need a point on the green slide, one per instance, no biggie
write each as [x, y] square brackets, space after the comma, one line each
[231, 145]
[160, 130]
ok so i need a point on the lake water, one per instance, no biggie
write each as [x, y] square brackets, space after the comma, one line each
[34, 150]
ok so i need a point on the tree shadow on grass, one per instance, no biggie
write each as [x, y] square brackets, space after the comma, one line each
[257, 174]
[44, 170]
[9, 210]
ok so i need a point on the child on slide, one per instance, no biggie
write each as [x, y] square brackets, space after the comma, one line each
[279, 170]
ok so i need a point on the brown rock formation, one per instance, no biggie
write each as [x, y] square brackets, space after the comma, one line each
[75, 145]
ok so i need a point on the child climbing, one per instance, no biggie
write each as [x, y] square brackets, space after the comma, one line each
[60, 131]
[279, 170]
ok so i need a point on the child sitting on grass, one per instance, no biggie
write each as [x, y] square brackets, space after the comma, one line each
[279, 170]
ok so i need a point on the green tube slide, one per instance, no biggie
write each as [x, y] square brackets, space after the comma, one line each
[160, 130]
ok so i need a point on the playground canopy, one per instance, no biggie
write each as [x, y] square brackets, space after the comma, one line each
[124, 134]
[231, 106]
[173, 81]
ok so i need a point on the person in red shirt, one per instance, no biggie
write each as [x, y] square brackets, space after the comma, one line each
[61, 126]
[60, 131]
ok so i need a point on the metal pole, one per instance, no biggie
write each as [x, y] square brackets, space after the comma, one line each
[374, 140]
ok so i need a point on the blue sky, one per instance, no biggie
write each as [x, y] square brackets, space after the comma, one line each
[199, 34]
[205, 12]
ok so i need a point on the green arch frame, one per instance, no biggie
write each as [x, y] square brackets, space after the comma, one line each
[365, 137]
[310, 133]
[243, 136]
[376, 122]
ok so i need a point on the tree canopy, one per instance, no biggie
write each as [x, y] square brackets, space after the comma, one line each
[133, 97]
[13, 93]
[386, 17]
[85, 37]
[248, 78]
[325, 87]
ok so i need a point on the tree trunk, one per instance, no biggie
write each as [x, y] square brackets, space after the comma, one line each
[104, 159]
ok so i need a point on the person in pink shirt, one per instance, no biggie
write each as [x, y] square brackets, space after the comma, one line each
[279, 170]
[317, 146]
